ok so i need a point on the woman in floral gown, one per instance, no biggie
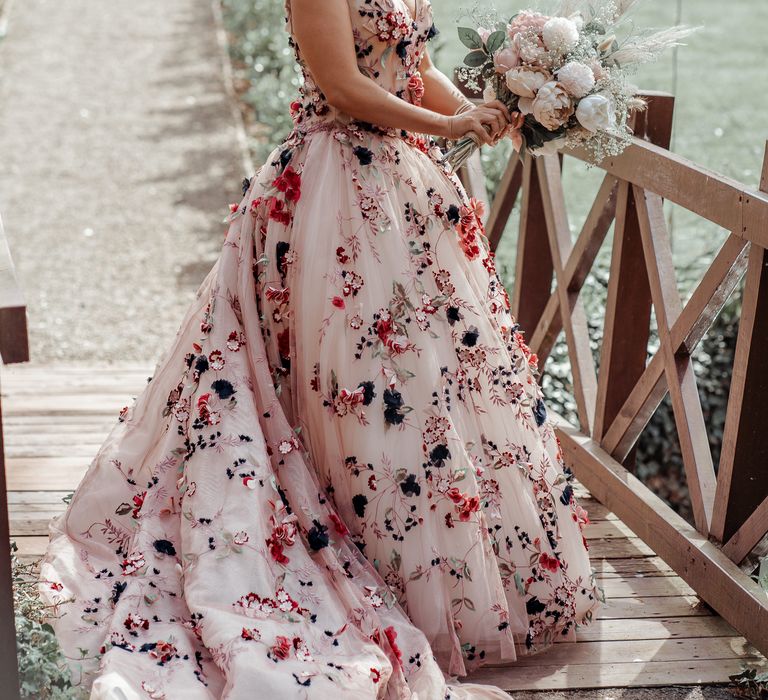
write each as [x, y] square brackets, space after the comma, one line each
[341, 480]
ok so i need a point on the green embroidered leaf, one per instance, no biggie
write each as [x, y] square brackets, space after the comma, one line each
[470, 38]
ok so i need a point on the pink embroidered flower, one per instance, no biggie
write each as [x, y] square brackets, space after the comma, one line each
[235, 341]
[416, 88]
[216, 360]
[135, 622]
[281, 649]
[163, 652]
[240, 538]
[392, 27]
[251, 634]
[287, 445]
[133, 563]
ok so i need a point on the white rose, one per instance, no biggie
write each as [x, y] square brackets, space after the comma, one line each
[595, 112]
[560, 34]
[552, 106]
[576, 78]
[525, 82]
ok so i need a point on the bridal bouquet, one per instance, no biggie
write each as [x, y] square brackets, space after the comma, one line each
[564, 76]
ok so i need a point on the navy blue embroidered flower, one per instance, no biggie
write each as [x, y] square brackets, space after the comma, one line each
[470, 337]
[368, 392]
[534, 606]
[452, 314]
[540, 412]
[393, 400]
[409, 486]
[165, 547]
[565, 496]
[318, 536]
[359, 502]
[223, 388]
[439, 454]
[364, 155]
[453, 214]
[201, 364]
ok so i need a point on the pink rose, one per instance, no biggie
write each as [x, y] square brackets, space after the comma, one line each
[505, 59]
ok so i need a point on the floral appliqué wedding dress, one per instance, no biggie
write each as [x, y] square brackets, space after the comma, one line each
[340, 480]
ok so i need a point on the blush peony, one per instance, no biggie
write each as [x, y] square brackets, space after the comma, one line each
[552, 106]
[525, 82]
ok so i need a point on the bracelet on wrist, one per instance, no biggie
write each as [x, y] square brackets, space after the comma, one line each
[463, 107]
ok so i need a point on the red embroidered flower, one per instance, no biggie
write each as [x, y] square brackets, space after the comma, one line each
[289, 182]
[278, 211]
[281, 649]
[470, 505]
[338, 302]
[391, 635]
[138, 502]
[549, 563]
[135, 622]
[340, 527]
[341, 256]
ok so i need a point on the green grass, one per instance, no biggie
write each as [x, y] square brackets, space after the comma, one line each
[721, 102]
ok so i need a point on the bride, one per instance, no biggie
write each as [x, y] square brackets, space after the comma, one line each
[341, 480]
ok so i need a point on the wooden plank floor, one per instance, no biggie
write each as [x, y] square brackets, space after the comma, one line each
[653, 632]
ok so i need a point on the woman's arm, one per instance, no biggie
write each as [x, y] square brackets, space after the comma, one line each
[327, 45]
[440, 94]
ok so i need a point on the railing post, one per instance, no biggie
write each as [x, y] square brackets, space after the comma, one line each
[628, 307]
[14, 347]
[742, 486]
[533, 268]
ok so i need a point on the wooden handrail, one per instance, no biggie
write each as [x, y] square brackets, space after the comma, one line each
[14, 347]
[615, 404]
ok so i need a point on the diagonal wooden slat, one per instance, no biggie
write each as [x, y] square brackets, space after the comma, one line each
[689, 418]
[749, 534]
[706, 302]
[572, 314]
[580, 262]
[742, 484]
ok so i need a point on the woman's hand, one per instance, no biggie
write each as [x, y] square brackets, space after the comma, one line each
[487, 121]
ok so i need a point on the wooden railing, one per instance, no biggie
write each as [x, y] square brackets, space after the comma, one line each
[730, 505]
[14, 347]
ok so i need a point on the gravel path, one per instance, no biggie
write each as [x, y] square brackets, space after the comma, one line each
[119, 154]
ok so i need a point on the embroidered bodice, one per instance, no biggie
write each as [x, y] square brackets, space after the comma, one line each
[389, 42]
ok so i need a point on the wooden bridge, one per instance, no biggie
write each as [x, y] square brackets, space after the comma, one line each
[680, 609]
